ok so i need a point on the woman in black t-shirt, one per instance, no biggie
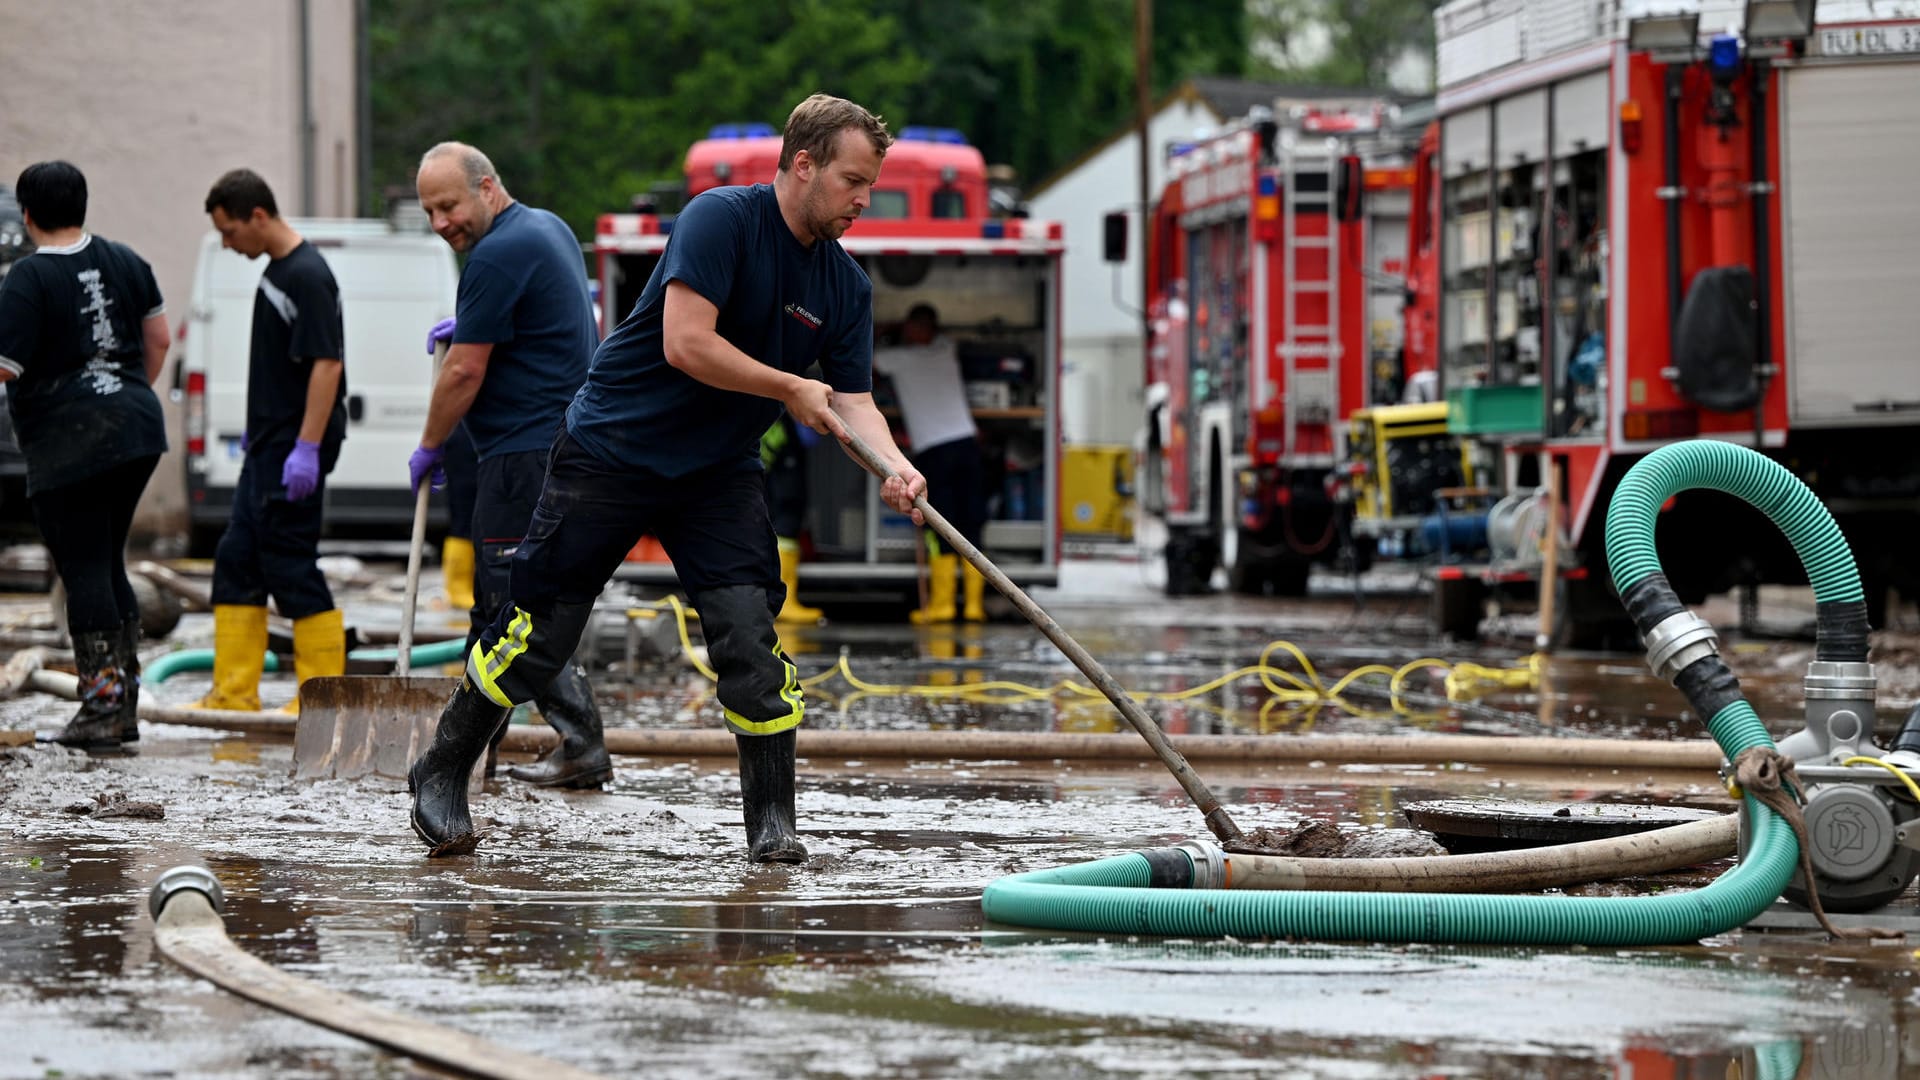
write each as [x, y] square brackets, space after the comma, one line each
[83, 333]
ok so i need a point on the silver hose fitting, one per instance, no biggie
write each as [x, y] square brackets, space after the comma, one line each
[1838, 680]
[1209, 864]
[1679, 640]
[197, 878]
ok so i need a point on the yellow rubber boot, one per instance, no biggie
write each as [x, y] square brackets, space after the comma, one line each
[975, 584]
[239, 653]
[456, 569]
[319, 648]
[793, 610]
[940, 589]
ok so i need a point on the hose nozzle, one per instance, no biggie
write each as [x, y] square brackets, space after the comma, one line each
[195, 878]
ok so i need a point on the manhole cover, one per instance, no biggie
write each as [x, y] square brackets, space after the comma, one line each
[1465, 825]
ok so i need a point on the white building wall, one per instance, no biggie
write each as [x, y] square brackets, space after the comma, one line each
[153, 101]
[1102, 350]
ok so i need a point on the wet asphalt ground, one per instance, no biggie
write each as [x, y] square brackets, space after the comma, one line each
[623, 932]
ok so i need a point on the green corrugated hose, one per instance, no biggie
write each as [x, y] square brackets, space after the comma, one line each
[1112, 895]
[162, 668]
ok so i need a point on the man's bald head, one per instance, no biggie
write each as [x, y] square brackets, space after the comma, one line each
[460, 192]
[474, 166]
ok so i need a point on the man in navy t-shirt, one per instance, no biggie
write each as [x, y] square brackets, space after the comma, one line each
[521, 335]
[664, 438]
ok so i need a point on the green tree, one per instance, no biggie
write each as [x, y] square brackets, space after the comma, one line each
[1360, 40]
[582, 103]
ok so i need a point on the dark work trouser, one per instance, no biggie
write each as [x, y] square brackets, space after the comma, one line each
[506, 489]
[272, 543]
[957, 487]
[463, 481]
[713, 525]
[85, 528]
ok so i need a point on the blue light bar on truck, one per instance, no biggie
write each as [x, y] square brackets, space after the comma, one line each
[919, 133]
[740, 131]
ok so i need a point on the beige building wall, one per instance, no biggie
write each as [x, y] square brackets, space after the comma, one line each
[153, 100]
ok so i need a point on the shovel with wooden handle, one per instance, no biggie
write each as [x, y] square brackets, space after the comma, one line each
[352, 725]
[1221, 825]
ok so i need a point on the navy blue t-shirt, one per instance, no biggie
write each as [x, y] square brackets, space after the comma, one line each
[524, 292]
[781, 302]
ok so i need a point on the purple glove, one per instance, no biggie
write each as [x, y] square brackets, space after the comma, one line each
[301, 474]
[425, 462]
[442, 331]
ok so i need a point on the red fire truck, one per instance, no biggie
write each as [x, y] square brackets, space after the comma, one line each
[1274, 287]
[929, 237]
[1651, 232]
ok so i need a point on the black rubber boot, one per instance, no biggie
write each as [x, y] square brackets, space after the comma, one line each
[580, 760]
[126, 657]
[493, 744]
[766, 791]
[438, 779]
[102, 689]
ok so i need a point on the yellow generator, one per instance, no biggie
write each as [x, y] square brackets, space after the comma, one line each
[1096, 492]
[1399, 457]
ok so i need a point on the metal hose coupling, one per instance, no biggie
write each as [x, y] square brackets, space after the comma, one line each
[1840, 680]
[1209, 864]
[184, 878]
[1677, 641]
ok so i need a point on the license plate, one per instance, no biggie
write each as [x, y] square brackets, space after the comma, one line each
[1868, 40]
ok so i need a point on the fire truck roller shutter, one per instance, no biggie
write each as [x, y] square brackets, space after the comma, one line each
[1850, 151]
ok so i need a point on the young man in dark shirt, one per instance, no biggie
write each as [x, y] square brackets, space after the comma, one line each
[664, 438]
[521, 337]
[296, 420]
[83, 333]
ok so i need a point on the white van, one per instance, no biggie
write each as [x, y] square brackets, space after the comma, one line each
[394, 286]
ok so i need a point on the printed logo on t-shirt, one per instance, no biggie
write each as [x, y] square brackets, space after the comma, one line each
[806, 318]
[102, 372]
[281, 302]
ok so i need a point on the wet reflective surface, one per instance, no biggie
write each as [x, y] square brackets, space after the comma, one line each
[624, 933]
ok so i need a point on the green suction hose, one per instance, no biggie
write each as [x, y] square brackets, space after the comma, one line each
[162, 668]
[1187, 889]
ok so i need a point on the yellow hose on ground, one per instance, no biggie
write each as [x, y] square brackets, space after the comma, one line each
[1288, 689]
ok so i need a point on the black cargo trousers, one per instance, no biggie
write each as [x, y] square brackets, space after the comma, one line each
[713, 524]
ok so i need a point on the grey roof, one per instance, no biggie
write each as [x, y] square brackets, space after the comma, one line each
[1231, 97]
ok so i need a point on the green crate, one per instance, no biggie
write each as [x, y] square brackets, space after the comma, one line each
[1494, 410]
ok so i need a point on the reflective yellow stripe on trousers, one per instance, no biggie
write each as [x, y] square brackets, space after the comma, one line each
[789, 693]
[485, 666]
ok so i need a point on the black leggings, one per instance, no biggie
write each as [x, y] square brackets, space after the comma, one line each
[85, 527]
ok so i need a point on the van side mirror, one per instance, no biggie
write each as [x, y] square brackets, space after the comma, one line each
[1113, 247]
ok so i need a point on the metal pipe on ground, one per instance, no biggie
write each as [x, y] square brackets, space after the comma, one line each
[1523, 869]
[1641, 754]
[62, 685]
[186, 904]
[1644, 754]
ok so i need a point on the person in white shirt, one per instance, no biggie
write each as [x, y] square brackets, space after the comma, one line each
[925, 372]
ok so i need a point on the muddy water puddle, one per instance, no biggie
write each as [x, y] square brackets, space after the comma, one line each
[624, 933]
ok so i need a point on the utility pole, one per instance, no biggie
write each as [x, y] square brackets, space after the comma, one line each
[1143, 94]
